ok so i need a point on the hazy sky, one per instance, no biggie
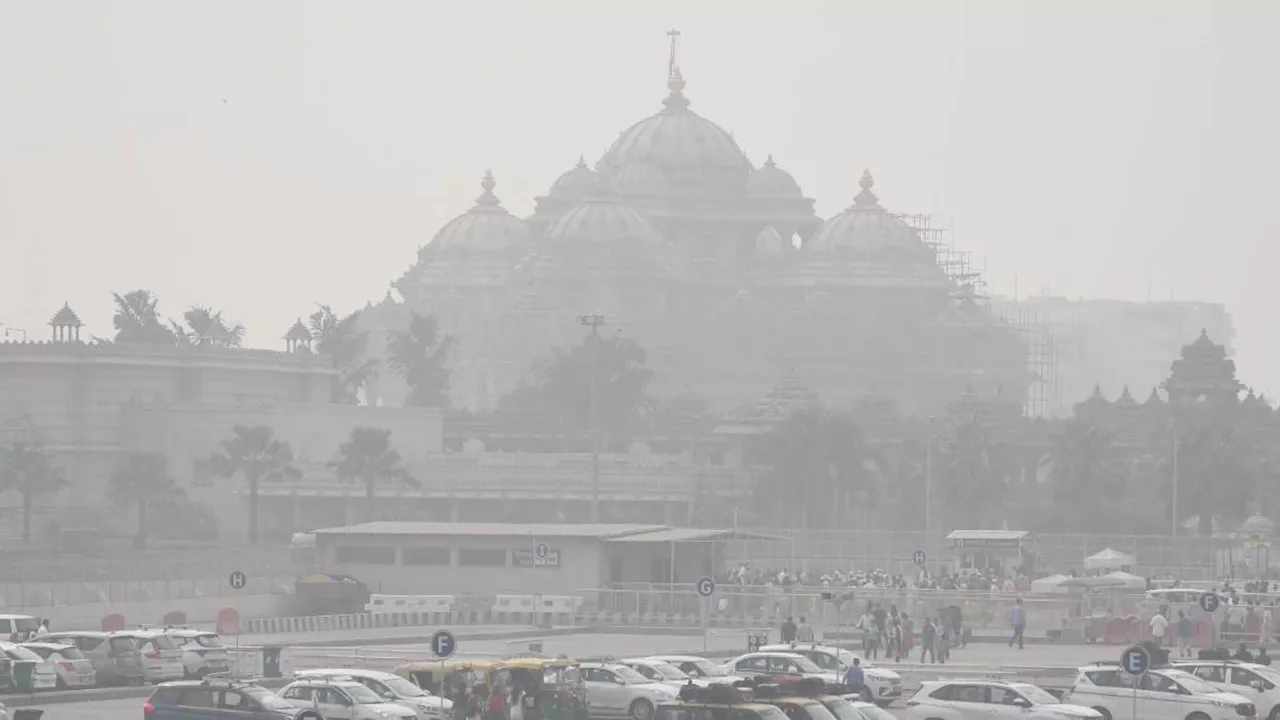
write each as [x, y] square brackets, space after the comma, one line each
[262, 157]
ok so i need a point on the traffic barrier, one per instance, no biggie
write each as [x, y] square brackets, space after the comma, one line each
[513, 608]
[228, 621]
[379, 604]
[175, 617]
[112, 622]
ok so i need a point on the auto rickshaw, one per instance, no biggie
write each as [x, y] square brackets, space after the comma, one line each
[429, 674]
[551, 688]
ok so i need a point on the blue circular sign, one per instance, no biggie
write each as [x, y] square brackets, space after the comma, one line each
[706, 586]
[1209, 602]
[541, 551]
[443, 644]
[918, 557]
[1135, 660]
[238, 580]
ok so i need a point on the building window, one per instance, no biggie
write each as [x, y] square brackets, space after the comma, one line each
[425, 556]
[366, 555]
[485, 557]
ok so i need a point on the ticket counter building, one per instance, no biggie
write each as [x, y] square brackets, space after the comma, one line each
[411, 558]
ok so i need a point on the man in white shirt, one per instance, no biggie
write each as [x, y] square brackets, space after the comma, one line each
[1159, 626]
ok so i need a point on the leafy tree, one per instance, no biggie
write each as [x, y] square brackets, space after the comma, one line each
[367, 457]
[28, 469]
[137, 319]
[820, 464]
[1217, 466]
[971, 470]
[206, 328]
[340, 338]
[142, 480]
[419, 354]
[1087, 476]
[259, 456]
[561, 385]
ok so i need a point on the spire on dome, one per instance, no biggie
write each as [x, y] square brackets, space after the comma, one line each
[769, 162]
[487, 198]
[582, 163]
[675, 79]
[866, 198]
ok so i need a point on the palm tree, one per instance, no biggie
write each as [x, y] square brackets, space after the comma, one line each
[1084, 467]
[367, 456]
[28, 469]
[973, 474]
[206, 328]
[419, 355]
[137, 319]
[258, 455]
[142, 480]
[341, 339]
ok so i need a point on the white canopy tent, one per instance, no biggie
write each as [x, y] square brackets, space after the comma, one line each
[1131, 581]
[1108, 560]
[1050, 584]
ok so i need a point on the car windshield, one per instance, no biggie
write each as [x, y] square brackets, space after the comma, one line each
[806, 665]
[362, 695]
[628, 675]
[1191, 683]
[23, 654]
[874, 712]
[842, 709]
[669, 671]
[705, 668]
[209, 641]
[1037, 695]
[846, 658]
[403, 688]
[818, 711]
[71, 653]
[267, 699]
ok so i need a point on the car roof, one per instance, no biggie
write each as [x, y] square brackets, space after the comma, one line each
[772, 653]
[640, 660]
[344, 672]
[187, 632]
[677, 658]
[50, 645]
[798, 647]
[338, 680]
[79, 633]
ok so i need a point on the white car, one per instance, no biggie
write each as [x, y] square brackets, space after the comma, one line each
[884, 685]
[159, 656]
[342, 698]
[73, 669]
[990, 700]
[1159, 694]
[391, 688]
[202, 651]
[700, 669]
[1258, 683]
[44, 673]
[615, 690]
[663, 672]
[784, 666]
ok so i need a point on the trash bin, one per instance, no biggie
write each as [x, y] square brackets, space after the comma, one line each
[271, 661]
[28, 714]
[22, 676]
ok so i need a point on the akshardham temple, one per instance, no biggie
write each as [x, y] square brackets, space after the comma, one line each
[718, 267]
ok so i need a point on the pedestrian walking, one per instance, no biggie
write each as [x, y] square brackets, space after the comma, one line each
[1185, 632]
[928, 636]
[1159, 625]
[1019, 620]
[804, 632]
[788, 630]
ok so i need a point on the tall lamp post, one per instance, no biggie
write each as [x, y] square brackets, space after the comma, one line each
[594, 321]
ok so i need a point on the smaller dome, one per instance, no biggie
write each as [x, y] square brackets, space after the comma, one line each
[487, 227]
[575, 184]
[603, 218]
[866, 227]
[771, 181]
[639, 179]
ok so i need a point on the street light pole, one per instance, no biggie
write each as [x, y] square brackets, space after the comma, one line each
[594, 321]
[1173, 423]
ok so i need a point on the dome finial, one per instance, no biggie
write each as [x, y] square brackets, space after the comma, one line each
[582, 163]
[769, 162]
[866, 182]
[675, 79]
[487, 198]
[866, 198]
[671, 59]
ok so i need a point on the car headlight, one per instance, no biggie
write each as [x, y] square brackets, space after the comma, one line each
[1223, 703]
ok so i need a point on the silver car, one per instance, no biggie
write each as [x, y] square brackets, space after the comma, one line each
[159, 657]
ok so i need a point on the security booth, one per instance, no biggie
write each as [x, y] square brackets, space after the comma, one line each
[1002, 551]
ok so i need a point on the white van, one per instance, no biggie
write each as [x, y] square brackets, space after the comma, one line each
[1160, 694]
[17, 628]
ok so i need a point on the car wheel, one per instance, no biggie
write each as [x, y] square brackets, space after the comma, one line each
[1275, 713]
[641, 710]
[1106, 714]
[1197, 716]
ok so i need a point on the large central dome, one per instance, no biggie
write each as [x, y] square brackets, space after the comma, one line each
[676, 138]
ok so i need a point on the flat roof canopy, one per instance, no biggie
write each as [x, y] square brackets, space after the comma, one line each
[680, 535]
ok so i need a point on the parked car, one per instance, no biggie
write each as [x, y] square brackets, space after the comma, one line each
[342, 698]
[1259, 683]
[979, 699]
[161, 659]
[202, 651]
[17, 628]
[699, 668]
[115, 659]
[1158, 694]
[615, 690]
[660, 671]
[74, 670]
[42, 673]
[224, 699]
[391, 688]
[884, 685]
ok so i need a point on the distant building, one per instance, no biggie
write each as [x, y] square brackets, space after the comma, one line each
[1111, 343]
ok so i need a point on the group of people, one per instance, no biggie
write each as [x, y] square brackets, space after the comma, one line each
[486, 702]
